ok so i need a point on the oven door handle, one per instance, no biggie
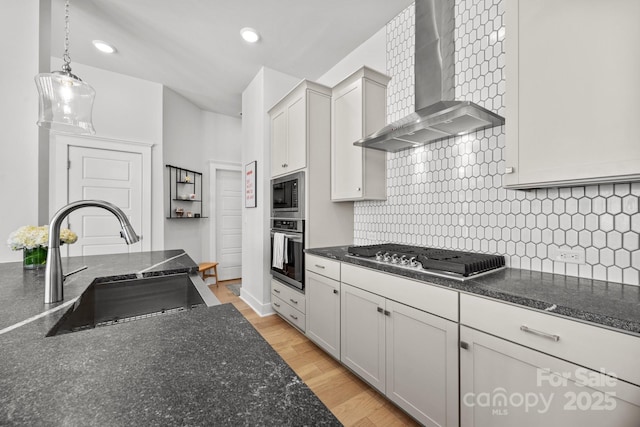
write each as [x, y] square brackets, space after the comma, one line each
[294, 237]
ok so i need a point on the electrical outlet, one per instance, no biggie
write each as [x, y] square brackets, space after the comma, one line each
[570, 256]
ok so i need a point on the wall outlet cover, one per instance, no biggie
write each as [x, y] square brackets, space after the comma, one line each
[570, 256]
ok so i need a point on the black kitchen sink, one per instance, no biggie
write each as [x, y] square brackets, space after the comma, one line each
[111, 303]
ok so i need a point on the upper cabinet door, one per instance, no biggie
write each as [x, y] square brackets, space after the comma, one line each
[572, 92]
[278, 141]
[297, 133]
[359, 109]
[346, 180]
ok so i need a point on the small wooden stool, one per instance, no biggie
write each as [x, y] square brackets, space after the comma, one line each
[203, 267]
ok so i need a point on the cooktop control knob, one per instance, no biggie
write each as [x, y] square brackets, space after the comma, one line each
[386, 257]
[413, 262]
[404, 260]
[379, 256]
[395, 259]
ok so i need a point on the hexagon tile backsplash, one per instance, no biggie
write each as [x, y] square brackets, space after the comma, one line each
[449, 194]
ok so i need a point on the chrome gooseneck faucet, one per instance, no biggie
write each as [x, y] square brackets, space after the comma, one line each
[53, 275]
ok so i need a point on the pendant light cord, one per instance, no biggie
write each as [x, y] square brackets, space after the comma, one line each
[67, 59]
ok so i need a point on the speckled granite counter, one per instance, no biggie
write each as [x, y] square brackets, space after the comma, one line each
[612, 305]
[207, 366]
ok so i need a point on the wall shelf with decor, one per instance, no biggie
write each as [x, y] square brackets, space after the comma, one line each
[185, 193]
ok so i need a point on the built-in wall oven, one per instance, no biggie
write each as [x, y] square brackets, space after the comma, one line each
[287, 251]
[287, 229]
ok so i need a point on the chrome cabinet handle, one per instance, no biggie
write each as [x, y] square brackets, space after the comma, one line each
[387, 313]
[276, 304]
[553, 337]
[380, 310]
[335, 291]
[320, 266]
[293, 301]
[293, 317]
[276, 291]
[358, 189]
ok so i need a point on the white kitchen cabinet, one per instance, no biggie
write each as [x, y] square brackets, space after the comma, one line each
[291, 126]
[407, 354]
[363, 334]
[557, 364]
[358, 109]
[572, 92]
[289, 303]
[323, 312]
[503, 384]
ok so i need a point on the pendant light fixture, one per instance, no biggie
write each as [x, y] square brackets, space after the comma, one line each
[66, 102]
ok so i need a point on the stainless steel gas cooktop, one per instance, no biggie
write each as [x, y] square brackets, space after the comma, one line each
[456, 265]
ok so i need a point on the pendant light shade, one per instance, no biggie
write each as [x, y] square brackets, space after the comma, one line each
[66, 102]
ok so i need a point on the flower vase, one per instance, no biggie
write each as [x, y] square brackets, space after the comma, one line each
[34, 258]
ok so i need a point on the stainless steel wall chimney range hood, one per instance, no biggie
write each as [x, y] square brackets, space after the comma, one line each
[438, 115]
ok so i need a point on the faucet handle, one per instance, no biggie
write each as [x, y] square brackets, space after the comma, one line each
[77, 270]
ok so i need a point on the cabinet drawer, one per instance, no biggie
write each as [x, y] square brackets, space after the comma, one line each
[425, 297]
[591, 346]
[291, 314]
[289, 295]
[323, 266]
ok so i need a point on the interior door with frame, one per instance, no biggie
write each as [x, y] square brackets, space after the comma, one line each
[109, 175]
[229, 223]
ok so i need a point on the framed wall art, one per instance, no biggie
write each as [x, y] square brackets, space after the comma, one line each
[250, 199]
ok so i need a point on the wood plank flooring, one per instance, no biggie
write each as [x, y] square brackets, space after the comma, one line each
[352, 401]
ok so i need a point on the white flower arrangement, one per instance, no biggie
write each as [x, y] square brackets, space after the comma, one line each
[31, 237]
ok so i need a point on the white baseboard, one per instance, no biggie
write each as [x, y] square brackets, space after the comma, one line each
[261, 309]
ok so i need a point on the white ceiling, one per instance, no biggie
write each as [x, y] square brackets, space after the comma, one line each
[194, 46]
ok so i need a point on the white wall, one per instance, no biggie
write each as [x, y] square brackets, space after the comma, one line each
[222, 137]
[127, 109]
[372, 53]
[222, 145]
[20, 44]
[182, 135]
[267, 87]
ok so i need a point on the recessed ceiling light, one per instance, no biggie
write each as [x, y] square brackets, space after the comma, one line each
[250, 35]
[104, 46]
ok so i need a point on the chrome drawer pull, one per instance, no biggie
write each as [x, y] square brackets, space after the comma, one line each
[276, 304]
[525, 328]
[276, 291]
[293, 317]
[293, 301]
[320, 266]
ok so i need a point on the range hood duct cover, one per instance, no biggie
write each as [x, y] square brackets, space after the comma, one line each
[438, 116]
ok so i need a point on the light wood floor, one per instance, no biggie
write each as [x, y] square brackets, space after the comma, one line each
[352, 401]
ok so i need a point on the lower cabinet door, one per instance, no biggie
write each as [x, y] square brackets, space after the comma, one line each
[503, 384]
[323, 312]
[363, 334]
[422, 364]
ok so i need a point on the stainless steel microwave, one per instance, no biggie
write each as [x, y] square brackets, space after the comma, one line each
[287, 196]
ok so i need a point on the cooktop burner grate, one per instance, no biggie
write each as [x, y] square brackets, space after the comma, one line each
[457, 262]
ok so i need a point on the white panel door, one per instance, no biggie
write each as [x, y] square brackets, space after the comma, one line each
[112, 176]
[229, 224]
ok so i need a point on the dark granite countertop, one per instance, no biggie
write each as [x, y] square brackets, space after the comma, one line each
[206, 366]
[612, 305]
